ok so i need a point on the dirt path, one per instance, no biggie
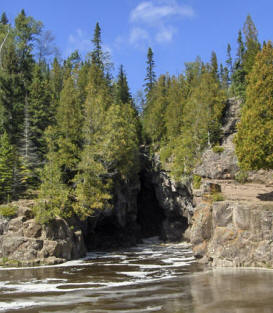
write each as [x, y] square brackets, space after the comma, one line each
[256, 193]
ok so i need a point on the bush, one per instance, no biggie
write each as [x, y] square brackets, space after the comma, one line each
[241, 176]
[196, 181]
[218, 196]
[218, 149]
[8, 211]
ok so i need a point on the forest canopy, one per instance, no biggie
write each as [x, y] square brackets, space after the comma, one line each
[70, 132]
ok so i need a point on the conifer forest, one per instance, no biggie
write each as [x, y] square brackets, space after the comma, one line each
[70, 132]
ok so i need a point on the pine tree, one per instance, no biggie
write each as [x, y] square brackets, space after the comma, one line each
[53, 194]
[251, 43]
[254, 140]
[6, 168]
[122, 89]
[40, 111]
[97, 54]
[69, 129]
[214, 65]
[239, 74]
[4, 20]
[150, 73]
[229, 62]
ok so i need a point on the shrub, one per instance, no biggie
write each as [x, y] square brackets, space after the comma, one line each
[8, 211]
[218, 149]
[241, 176]
[196, 181]
[218, 196]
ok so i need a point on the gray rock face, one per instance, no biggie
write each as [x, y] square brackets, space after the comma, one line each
[22, 239]
[232, 233]
[222, 165]
[176, 201]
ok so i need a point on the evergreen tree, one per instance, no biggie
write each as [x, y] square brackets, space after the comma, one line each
[251, 43]
[150, 78]
[229, 62]
[54, 194]
[69, 130]
[239, 74]
[254, 140]
[97, 55]
[214, 65]
[4, 20]
[6, 168]
[40, 111]
[122, 89]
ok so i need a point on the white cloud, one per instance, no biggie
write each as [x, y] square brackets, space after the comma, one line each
[149, 12]
[138, 35]
[165, 35]
[156, 19]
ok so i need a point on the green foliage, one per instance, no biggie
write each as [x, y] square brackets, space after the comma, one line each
[254, 140]
[218, 149]
[7, 163]
[53, 197]
[8, 211]
[150, 78]
[196, 181]
[241, 176]
[218, 196]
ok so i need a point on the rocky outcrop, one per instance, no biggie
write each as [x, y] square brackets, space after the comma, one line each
[26, 242]
[232, 233]
[239, 230]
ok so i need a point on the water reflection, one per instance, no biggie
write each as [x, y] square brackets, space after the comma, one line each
[233, 290]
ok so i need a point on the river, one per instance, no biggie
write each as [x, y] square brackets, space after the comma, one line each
[152, 277]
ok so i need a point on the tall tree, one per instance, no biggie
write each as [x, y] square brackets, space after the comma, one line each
[229, 62]
[254, 140]
[122, 89]
[150, 78]
[69, 130]
[97, 55]
[214, 65]
[4, 20]
[6, 168]
[40, 112]
[251, 43]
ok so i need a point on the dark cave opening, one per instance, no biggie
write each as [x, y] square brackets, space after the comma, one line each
[150, 215]
[103, 234]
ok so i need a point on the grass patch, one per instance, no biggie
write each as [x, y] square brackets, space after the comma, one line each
[196, 181]
[218, 196]
[8, 211]
[218, 149]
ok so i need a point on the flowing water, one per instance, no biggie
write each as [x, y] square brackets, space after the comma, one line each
[151, 277]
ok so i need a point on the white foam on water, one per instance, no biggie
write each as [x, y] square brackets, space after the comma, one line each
[136, 274]
[15, 305]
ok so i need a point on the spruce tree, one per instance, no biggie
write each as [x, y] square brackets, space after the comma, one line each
[254, 140]
[214, 65]
[53, 194]
[40, 110]
[4, 20]
[251, 43]
[69, 129]
[122, 89]
[6, 168]
[150, 78]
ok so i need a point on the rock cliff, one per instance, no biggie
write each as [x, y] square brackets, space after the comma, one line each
[232, 224]
[25, 242]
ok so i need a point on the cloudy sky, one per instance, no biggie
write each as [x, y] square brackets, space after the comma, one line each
[177, 30]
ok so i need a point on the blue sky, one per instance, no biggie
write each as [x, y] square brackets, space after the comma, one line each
[177, 30]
